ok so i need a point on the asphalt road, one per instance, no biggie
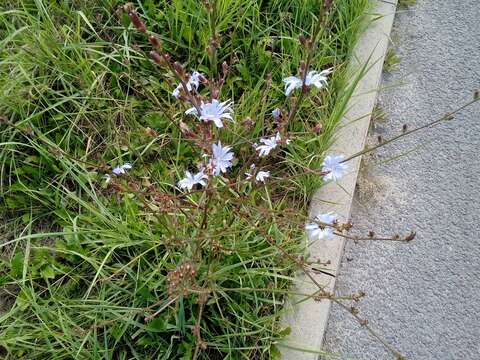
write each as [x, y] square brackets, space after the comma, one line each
[422, 297]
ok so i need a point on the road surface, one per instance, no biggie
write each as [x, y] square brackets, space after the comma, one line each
[423, 297]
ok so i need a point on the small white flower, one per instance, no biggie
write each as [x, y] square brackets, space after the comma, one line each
[213, 111]
[262, 175]
[316, 232]
[317, 79]
[249, 174]
[336, 169]
[190, 180]
[192, 83]
[122, 169]
[195, 79]
[292, 83]
[276, 113]
[221, 158]
[313, 78]
[328, 218]
[268, 144]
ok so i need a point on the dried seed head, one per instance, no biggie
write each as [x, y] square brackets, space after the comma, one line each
[411, 236]
[180, 279]
[347, 226]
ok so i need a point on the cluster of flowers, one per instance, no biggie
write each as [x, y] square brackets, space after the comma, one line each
[220, 158]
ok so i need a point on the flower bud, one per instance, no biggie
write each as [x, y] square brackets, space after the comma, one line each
[411, 236]
[179, 69]
[155, 42]
[302, 67]
[276, 114]
[185, 129]
[208, 5]
[150, 132]
[303, 40]
[248, 122]
[318, 128]
[156, 57]
[137, 22]
[202, 79]
[327, 5]
[225, 68]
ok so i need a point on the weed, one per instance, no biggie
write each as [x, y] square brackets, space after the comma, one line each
[405, 4]
[392, 61]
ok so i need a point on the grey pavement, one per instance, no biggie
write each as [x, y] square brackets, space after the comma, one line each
[422, 297]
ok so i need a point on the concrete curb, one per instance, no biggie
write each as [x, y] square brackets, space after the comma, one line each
[308, 318]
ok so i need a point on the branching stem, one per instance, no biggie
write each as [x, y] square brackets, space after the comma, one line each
[446, 117]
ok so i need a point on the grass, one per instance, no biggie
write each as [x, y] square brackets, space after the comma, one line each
[392, 61]
[405, 4]
[379, 116]
[86, 268]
